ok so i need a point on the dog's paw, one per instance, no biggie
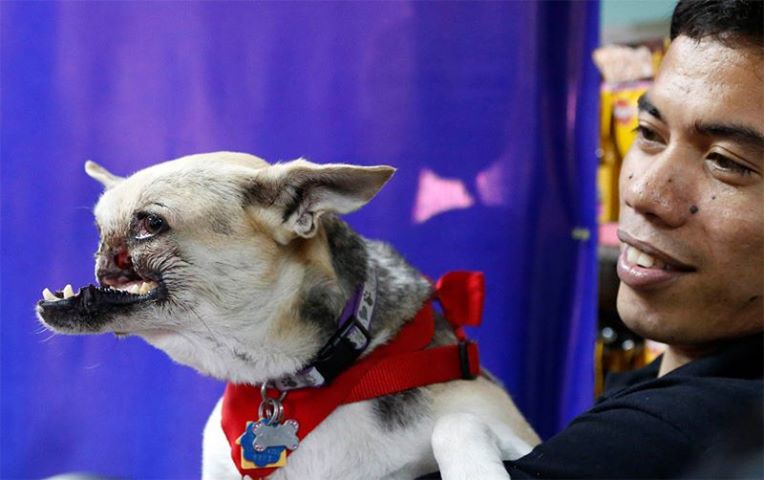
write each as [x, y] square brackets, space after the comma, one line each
[466, 449]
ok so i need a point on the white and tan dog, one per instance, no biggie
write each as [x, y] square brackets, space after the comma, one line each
[240, 269]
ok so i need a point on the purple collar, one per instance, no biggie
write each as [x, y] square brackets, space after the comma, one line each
[349, 341]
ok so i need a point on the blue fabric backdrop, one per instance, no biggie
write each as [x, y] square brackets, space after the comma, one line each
[488, 110]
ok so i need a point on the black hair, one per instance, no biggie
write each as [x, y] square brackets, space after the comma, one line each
[727, 21]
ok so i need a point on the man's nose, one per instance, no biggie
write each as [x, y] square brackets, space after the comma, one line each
[660, 187]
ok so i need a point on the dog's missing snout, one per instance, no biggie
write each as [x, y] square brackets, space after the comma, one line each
[243, 271]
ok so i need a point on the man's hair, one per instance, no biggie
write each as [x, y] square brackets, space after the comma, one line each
[727, 21]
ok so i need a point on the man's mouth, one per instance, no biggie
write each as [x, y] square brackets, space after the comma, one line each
[645, 255]
[643, 266]
[643, 259]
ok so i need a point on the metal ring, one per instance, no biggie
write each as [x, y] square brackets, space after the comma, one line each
[264, 392]
[278, 413]
[265, 409]
[271, 410]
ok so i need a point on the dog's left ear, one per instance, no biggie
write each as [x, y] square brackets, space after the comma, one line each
[107, 179]
[305, 191]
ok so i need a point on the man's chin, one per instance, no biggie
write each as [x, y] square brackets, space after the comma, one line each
[644, 318]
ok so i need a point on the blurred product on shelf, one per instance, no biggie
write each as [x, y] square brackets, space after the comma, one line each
[620, 64]
[627, 73]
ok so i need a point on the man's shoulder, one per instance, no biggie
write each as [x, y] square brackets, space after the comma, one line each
[684, 401]
[650, 427]
[696, 397]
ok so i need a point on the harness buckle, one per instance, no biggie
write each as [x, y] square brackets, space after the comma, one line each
[464, 360]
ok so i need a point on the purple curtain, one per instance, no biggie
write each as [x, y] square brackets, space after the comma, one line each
[488, 110]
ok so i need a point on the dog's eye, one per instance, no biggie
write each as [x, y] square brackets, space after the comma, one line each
[150, 225]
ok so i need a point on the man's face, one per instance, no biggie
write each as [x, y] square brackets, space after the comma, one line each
[692, 199]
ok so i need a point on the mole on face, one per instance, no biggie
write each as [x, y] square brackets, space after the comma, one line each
[693, 209]
[713, 197]
[631, 175]
[670, 180]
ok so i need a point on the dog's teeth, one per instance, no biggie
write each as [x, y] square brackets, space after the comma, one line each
[134, 289]
[146, 287]
[48, 295]
[68, 292]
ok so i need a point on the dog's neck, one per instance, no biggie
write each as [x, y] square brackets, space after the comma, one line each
[400, 290]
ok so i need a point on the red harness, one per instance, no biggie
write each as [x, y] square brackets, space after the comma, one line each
[399, 365]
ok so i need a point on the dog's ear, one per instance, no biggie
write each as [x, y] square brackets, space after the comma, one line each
[304, 191]
[107, 179]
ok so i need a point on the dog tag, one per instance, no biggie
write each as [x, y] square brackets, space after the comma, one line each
[264, 445]
[276, 434]
[270, 457]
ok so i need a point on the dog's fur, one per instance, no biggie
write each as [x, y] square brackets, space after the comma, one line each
[254, 268]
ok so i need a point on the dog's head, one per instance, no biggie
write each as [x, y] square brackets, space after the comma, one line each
[205, 256]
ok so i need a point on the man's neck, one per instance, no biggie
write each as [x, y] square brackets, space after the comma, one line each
[677, 355]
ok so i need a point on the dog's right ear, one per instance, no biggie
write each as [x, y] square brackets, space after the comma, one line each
[107, 179]
[297, 193]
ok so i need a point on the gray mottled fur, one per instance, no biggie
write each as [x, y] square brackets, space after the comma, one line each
[401, 292]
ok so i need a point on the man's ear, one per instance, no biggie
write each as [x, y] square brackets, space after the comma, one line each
[107, 179]
[305, 191]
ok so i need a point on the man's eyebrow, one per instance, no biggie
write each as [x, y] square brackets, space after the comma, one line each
[737, 133]
[646, 105]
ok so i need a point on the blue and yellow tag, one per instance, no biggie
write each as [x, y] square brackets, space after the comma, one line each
[271, 457]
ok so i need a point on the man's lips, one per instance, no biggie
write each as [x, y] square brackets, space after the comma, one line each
[643, 266]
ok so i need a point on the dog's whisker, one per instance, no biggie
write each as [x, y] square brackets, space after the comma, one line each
[40, 330]
[47, 339]
[212, 334]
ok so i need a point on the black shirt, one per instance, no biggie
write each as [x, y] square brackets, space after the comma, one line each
[649, 427]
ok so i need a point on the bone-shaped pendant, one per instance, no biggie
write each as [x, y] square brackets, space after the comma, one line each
[276, 435]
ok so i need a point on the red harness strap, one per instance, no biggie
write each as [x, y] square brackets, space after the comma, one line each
[399, 365]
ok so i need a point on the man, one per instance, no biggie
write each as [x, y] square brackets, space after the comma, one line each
[691, 264]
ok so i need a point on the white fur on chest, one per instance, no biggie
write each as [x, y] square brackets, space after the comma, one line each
[469, 426]
[350, 444]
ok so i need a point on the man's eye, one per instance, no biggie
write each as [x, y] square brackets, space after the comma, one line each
[727, 165]
[150, 225]
[647, 134]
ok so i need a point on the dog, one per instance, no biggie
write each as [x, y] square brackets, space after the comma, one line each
[240, 269]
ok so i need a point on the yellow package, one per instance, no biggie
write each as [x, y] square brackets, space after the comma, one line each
[618, 121]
